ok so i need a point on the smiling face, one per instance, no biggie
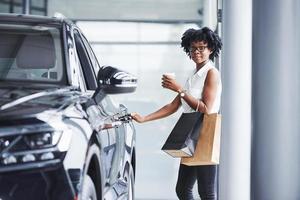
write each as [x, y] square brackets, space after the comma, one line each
[199, 52]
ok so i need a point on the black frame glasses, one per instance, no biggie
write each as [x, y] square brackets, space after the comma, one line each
[199, 49]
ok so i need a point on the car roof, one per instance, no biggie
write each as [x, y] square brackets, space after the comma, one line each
[33, 19]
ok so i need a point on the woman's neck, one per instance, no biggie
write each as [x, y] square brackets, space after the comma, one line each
[200, 65]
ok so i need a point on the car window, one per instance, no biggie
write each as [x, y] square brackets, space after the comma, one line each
[92, 56]
[31, 53]
[85, 62]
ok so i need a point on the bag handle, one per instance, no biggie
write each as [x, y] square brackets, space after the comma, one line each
[198, 102]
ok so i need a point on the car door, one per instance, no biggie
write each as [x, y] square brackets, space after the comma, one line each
[110, 138]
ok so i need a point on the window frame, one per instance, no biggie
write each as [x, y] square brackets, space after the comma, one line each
[85, 62]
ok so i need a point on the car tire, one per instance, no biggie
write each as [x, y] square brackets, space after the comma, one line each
[130, 181]
[88, 189]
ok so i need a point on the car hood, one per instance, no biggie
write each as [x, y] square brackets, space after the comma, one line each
[20, 102]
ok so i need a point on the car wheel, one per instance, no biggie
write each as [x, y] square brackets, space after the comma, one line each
[130, 181]
[88, 189]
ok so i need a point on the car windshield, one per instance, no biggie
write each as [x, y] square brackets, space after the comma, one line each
[31, 53]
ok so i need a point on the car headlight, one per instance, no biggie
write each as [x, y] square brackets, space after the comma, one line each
[33, 147]
[43, 140]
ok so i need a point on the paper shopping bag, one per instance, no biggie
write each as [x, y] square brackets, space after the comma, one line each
[184, 136]
[208, 146]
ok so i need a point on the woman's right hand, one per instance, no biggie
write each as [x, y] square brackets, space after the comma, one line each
[137, 117]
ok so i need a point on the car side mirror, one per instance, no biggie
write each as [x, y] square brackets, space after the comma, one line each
[115, 81]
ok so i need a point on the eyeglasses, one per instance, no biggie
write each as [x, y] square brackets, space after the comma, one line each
[200, 49]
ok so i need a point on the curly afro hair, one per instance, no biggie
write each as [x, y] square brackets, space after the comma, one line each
[204, 34]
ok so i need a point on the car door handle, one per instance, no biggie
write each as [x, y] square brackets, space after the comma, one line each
[114, 124]
[117, 122]
[125, 118]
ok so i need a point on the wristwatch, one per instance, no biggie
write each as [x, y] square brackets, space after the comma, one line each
[181, 93]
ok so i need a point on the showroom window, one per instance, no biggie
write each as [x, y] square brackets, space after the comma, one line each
[36, 7]
[147, 50]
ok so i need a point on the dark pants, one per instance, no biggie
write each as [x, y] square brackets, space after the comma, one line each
[206, 177]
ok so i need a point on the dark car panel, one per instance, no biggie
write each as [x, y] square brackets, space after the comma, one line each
[61, 137]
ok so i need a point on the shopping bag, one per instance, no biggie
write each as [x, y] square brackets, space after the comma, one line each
[208, 146]
[184, 136]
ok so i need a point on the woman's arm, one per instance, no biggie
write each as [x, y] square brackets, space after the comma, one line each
[208, 94]
[161, 113]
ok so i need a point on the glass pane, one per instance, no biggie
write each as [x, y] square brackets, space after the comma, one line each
[30, 53]
[4, 8]
[133, 32]
[147, 50]
[18, 9]
[38, 3]
[37, 12]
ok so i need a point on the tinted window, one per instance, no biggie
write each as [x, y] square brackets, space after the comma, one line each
[85, 63]
[92, 56]
[31, 53]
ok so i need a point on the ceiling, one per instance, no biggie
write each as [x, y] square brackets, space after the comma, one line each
[184, 10]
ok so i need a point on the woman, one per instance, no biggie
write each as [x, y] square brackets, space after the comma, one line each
[202, 92]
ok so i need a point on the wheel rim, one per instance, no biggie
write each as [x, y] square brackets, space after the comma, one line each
[88, 190]
[131, 185]
[130, 192]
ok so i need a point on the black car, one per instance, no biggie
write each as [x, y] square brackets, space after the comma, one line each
[61, 136]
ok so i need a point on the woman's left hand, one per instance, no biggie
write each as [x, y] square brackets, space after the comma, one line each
[170, 83]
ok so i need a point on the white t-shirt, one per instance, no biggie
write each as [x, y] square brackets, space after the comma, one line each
[195, 84]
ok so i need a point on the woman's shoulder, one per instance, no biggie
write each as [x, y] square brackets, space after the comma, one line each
[213, 74]
[213, 70]
[212, 67]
